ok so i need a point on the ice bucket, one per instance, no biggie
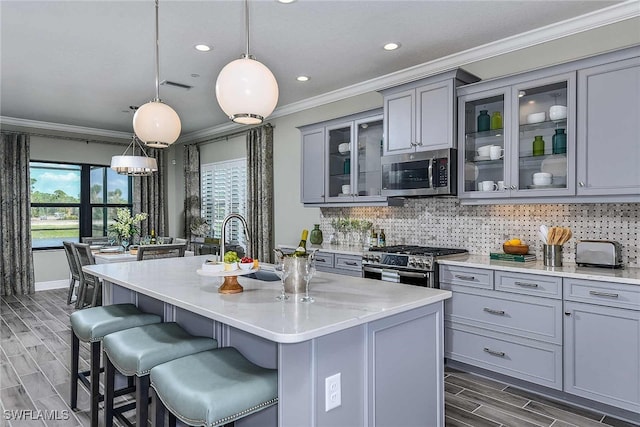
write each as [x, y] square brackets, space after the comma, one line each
[295, 269]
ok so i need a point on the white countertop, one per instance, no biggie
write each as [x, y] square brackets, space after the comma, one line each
[341, 302]
[624, 275]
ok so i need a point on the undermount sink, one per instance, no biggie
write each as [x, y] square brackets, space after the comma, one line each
[265, 276]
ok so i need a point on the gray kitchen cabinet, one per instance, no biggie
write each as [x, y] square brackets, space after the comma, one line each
[330, 262]
[312, 176]
[609, 129]
[602, 342]
[509, 174]
[341, 162]
[420, 116]
[510, 324]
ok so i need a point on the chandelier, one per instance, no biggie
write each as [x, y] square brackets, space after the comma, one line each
[133, 165]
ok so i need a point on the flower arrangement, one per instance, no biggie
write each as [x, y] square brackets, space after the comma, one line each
[199, 226]
[125, 226]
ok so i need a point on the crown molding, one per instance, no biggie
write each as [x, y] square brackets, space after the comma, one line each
[616, 13]
[610, 15]
[63, 128]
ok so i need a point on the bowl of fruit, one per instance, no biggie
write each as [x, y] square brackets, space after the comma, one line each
[246, 263]
[231, 261]
[515, 247]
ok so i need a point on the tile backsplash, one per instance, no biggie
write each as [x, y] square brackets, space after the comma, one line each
[483, 229]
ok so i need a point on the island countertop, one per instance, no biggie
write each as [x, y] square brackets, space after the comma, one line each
[341, 302]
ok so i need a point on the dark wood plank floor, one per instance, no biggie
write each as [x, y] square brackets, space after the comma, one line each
[34, 378]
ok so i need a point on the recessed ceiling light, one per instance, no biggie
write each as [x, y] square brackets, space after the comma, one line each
[202, 47]
[303, 78]
[286, 1]
[391, 46]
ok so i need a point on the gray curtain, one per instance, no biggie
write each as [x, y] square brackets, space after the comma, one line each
[191, 187]
[16, 258]
[260, 192]
[149, 196]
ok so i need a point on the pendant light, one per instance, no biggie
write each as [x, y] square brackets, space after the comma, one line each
[155, 123]
[133, 165]
[246, 89]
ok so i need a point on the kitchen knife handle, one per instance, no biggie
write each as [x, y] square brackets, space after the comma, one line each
[494, 352]
[458, 276]
[527, 285]
[492, 311]
[603, 294]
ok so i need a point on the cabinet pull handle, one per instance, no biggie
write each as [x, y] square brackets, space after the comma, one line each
[567, 313]
[527, 285]
[320, 260]
[603, 294]
[492, 311]
[430, 171]
[458, 276]
[351, 263]
[419, 143]
[493, 352]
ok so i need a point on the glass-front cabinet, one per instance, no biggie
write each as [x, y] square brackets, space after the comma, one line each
[519, 140]
[354, 150]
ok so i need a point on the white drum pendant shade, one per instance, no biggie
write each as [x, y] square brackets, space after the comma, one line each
[134, 165]
[157, 124]
[247, 91]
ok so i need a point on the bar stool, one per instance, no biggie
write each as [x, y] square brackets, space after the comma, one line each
[91, 325]
[211, 388]
[134, 352]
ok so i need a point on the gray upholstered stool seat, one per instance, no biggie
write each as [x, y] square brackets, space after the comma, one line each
[135, 351]
[92, 325]
[213, 388]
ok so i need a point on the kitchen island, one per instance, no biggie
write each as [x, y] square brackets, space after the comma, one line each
[384, 339]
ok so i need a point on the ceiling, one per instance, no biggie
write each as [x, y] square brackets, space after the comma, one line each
[83, 63]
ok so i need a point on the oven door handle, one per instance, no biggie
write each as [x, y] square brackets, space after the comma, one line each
[431, 172]
[400, 273]
[369, 269]
[412, 274]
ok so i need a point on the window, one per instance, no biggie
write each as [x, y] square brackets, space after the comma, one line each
[73, 200]
[224, 191]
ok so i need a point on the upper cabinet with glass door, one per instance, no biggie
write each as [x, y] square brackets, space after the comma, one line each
[519, 139]
[543, 163]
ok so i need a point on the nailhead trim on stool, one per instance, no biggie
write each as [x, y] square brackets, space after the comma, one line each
[212, 388]
[92, 325]
[134, 352]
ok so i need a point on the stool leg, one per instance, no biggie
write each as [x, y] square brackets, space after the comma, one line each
[172, 420]
[109, 380]
[75, 354]
[157, 413]
[95, 382]
[142, 400]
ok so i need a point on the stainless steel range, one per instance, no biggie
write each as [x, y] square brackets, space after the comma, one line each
[413, 265]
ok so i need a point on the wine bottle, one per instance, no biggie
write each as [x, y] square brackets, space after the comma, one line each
[382, 239]
[302, 246]
[153, 239]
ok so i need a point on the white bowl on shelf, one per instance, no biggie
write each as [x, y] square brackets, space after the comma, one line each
[345, 147]
[557, 112]
[536, 117]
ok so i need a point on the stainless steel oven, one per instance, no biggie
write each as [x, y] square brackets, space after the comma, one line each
[425, 173]
[411, 265]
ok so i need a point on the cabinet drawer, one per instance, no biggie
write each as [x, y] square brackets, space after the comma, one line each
[347, 262]
[475, 277]
[529, 284]
[529, 360]
[603, 293]
[528, 317]
[324, 261]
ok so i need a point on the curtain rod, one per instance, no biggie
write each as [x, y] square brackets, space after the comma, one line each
[66, 138]
[227, 136]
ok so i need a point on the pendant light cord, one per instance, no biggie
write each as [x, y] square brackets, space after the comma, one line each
[157, 58]
[246, 23]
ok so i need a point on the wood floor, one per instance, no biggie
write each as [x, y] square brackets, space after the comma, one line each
[34, 378]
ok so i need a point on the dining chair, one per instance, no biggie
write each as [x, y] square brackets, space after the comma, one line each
[90, 288]
[73, 268]
[161, 251]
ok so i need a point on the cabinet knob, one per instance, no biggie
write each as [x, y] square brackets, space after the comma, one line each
[567, 313]
[513, 187]
[419, 143]
[581, 184]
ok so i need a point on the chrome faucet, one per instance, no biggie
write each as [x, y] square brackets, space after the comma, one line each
[223, 232]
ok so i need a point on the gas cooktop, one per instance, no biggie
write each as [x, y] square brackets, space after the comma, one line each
[417, 250]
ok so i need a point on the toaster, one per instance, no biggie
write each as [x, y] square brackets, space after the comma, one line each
[599, 253]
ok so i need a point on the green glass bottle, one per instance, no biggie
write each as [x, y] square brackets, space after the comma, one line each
[316, 235]
[484, 121]
[496, 120]
[538, 146]
[559, 142]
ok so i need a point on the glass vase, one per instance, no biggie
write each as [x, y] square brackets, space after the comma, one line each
[316, 235]
[559, 142]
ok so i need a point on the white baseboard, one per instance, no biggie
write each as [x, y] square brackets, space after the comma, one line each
[52, 284]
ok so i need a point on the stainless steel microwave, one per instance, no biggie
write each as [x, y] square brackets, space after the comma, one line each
[421, 174]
